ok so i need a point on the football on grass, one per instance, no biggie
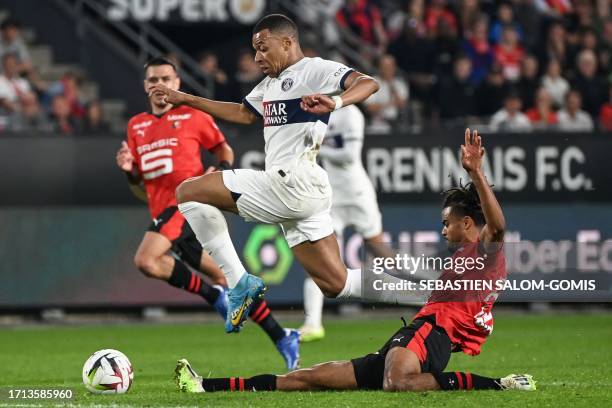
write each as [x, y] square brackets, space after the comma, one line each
[108, 371]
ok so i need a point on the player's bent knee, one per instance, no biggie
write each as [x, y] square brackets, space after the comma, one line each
[182, 192]
[146, 264]
[396, 384]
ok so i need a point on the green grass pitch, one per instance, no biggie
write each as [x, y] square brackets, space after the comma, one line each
[569, 355]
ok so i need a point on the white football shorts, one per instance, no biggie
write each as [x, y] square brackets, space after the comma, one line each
[297, 197]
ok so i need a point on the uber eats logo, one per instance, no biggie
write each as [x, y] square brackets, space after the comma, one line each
[267, 254]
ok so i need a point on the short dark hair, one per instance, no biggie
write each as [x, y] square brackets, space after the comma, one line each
[276, 23]
[10, 22]
[157, 61]
[464, 201]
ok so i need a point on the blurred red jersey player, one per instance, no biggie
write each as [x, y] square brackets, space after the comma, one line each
[163, 149]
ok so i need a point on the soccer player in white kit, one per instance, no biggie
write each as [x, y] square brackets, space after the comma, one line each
[353, 201]
[294, 101]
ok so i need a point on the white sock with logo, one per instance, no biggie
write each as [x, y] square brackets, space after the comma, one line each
[210, 227]
[313, 304]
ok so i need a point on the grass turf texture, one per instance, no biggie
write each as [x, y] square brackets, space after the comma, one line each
[569, 355]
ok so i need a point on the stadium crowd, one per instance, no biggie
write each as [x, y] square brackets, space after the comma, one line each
[29, 104]
[516, 65]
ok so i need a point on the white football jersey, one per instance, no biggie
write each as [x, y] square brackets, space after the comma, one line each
[341, 157]
[290, 133]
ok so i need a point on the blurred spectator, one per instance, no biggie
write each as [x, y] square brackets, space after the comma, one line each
[476, 47]
[491, 92]
[510, 118]
[605, 115]
[94, 122]
[554, 8]
[386, 105]
[542, 115]
[361, 24]
[69, 87]
[412, 15]
[446, 47]
[555, 84]
[32, 117]
[605, 50]
[592, 87]
[571, 117]
[509, 53]
[17, 100]
[415, 56]
[469, 13]
[529, 81]
[12, 43]
[319, 15]
[555, 46]
[248, 74]
[63, 122]
[530, 20]
[505, 18]
[456, 95]
[13, 88]
[437, 11]
[582, 18]
[209, 64]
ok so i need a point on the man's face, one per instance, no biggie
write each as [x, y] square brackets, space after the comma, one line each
[513, 105]
[10, 34]
[387, 67]
[573, 102]
[271, 52]
[160, 74]
[463, 69]
[9, 66]
[453, 227]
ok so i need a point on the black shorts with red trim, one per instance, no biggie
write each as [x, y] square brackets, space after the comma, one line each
[429, 342]
[171, 224]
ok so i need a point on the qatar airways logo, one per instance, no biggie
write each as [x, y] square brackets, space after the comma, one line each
[171, 142]
[275, 113]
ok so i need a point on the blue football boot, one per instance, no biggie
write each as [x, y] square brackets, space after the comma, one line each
[240, 301]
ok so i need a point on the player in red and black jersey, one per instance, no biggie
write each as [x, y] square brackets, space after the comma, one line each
[415, 357]
[163, 149]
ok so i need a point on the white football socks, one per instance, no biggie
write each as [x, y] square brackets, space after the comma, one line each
[210, 227]
[352, 286]
[313, 304]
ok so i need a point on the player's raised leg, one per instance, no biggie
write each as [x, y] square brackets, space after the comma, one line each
[153, 261]
[200, 200]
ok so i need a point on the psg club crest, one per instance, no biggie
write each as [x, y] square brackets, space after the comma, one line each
[287, 84]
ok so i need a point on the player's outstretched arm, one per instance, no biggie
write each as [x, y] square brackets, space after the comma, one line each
[472, 153]
[229, 111]
[358, 87]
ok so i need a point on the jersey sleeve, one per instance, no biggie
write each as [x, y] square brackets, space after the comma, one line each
[210, 134]
[328, 77]
[254, 100]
